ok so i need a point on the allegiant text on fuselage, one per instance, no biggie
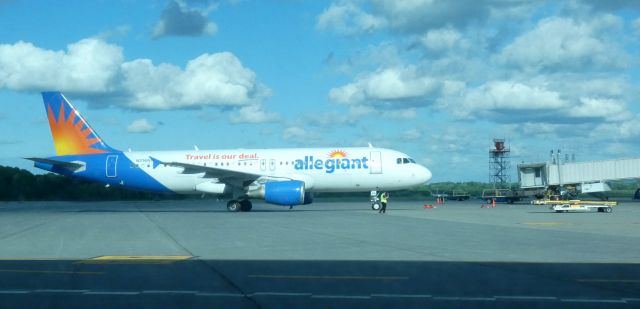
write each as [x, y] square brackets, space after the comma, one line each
[331, 164]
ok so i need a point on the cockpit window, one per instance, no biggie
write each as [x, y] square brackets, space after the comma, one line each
[405, 161]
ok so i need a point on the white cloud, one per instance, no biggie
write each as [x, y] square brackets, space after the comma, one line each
[330, 119]
[391, 84]
[89, 65]
[210, 79]
[505, 95]
[559, 43]
[612, 5]
[537, 107]
[346, 18]
[141, 126]
[626, 130]
[405, 113]
[442, 39]
[293, 133]
[421, 15]
[179, 19]
[411, 135]
[95, 70]
[609, 109]
[253, 114]
[116, 32]
[357, 111]
[300, 136]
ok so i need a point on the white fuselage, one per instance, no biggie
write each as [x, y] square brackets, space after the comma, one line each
[322, 169]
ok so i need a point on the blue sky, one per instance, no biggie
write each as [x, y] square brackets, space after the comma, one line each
[435, 79]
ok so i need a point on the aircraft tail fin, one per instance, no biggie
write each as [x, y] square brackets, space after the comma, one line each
[72, 135]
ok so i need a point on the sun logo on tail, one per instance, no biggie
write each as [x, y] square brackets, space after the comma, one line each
[71, 135]
[337, 154]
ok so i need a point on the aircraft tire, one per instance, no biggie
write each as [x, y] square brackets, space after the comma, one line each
[376, 206]
[608, 209]
[234, 206]
[245, 205]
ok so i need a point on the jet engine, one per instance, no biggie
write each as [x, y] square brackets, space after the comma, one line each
[285, 193]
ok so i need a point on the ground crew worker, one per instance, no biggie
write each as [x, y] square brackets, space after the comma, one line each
[384, 197]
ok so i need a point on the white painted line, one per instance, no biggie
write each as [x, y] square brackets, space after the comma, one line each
[601, 301]
[59, 291]
[341, 296]
[111, 293]
[14, 292]
[464, 298]
[536, 298]
[168, 292]
[281, 294]
[219, 294]
[401, 295]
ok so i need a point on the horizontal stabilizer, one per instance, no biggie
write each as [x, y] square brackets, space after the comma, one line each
[72, 166]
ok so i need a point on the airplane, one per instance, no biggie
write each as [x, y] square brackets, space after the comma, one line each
[285, 177]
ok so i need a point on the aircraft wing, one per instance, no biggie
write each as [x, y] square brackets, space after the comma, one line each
[223, 175]
[72, 166]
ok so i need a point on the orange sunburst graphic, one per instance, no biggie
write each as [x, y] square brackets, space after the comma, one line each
[71, 138]
[337, 154]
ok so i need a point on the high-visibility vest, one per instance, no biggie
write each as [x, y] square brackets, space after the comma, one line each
[383, 198]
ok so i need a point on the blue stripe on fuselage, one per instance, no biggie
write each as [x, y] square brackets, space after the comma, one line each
[127, 174]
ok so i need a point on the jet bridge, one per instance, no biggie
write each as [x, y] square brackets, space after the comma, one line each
[585, 177]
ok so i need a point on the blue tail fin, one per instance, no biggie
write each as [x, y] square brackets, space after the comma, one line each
[72, 135]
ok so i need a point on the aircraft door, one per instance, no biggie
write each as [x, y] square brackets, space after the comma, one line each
[375, 163]
[112, 164]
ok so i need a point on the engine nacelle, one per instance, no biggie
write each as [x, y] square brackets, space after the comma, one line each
[285, 193]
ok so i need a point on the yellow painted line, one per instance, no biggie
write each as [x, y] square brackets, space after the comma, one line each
[306, 277]
[135, 259]
[543, 223]
[55, 272]
[610, 280]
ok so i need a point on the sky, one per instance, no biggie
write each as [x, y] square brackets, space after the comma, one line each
[438, 80]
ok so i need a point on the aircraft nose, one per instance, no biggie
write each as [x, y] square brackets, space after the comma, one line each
[426, 174]
[422, 174]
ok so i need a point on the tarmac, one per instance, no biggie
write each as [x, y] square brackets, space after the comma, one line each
[328, 254]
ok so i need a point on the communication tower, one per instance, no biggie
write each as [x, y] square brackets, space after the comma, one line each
[499, 165]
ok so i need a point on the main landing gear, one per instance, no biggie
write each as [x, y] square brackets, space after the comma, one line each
[241, 205]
